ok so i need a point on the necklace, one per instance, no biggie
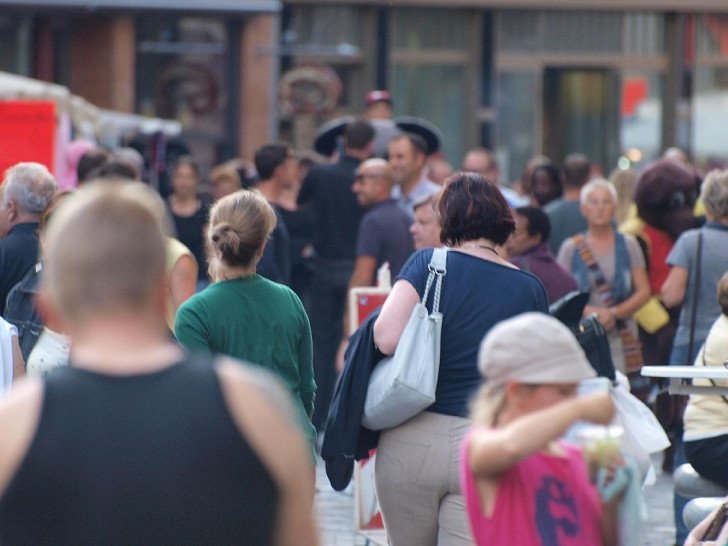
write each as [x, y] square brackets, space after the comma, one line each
[486, 247]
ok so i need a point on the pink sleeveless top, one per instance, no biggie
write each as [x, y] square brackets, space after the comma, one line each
[544, 500]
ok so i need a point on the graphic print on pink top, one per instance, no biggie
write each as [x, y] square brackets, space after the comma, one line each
[545, 500]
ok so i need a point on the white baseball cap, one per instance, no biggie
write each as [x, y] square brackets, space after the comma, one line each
[532, 348]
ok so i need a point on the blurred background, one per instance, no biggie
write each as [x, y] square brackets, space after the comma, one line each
[620, 82]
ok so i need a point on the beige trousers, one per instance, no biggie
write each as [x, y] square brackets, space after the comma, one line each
[418, 486]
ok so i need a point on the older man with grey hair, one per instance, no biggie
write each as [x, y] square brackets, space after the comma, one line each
[26, 190]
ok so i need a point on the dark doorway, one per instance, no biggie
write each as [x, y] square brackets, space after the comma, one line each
[581, 114]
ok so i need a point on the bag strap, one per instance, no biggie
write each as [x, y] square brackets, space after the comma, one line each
[437, 268]
[631, 347]
[587, 256]
[696, 288]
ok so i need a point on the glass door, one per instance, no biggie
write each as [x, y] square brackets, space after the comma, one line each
[581, 114]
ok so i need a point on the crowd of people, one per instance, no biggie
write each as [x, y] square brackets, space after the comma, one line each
[174, 341]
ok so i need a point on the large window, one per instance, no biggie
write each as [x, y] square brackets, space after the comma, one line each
[182, 74]
[15, 44]
[517, 120]
[710, 91]
[552, 66]
[641, 115]
[328, 63]
[434, 72]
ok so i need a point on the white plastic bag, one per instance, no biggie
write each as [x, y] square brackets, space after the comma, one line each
[641, 427]
[643, 434]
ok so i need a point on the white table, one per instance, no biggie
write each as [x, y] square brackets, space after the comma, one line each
[681, 378]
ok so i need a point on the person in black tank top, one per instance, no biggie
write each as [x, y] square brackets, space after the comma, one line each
[137, 443]
[175, 462]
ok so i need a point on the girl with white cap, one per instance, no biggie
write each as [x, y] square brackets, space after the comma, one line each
[522, 485]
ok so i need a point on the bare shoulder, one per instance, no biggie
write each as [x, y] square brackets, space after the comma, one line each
[264, 414]
[263, 411]
[19, 415]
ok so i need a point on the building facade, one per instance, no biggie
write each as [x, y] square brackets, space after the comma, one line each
[619, 81]
[206, 64]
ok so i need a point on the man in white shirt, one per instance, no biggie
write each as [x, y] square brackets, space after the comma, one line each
[407, 157]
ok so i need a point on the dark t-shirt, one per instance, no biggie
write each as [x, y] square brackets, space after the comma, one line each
[337, 213]
[275, 264]
[18, 253]
[190, 232]
[476, 294]
[384, 235]
[566, 220]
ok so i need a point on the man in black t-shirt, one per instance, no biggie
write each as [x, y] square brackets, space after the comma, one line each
[277, 167]
[326, 190]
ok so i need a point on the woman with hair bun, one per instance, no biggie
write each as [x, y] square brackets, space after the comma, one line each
[244, 315]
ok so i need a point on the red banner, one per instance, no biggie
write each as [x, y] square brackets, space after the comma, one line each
[27, 133]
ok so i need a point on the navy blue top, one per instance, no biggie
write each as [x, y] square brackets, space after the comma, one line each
[275, 264]
[476, 294]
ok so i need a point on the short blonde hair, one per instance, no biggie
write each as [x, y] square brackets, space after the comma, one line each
[225, 172]
[105, 252]
[597, 184]
[624, 182]
[239, 225]
[714, 193]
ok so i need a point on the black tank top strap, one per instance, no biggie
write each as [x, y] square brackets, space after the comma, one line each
[144, 459]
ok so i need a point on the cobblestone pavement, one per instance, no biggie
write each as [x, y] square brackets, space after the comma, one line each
[336, 513]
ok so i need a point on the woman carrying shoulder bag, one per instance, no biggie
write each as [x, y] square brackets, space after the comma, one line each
[417, 461]
[610, 266]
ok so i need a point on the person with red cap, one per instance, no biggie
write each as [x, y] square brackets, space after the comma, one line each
[379, 105]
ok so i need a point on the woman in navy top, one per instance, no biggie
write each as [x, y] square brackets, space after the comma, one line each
[417, 462]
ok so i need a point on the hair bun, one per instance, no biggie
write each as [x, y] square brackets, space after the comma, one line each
[225, 238]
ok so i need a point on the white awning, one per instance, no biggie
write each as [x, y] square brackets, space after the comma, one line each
[107, 126]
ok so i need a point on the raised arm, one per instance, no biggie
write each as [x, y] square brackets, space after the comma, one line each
[493, 451]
